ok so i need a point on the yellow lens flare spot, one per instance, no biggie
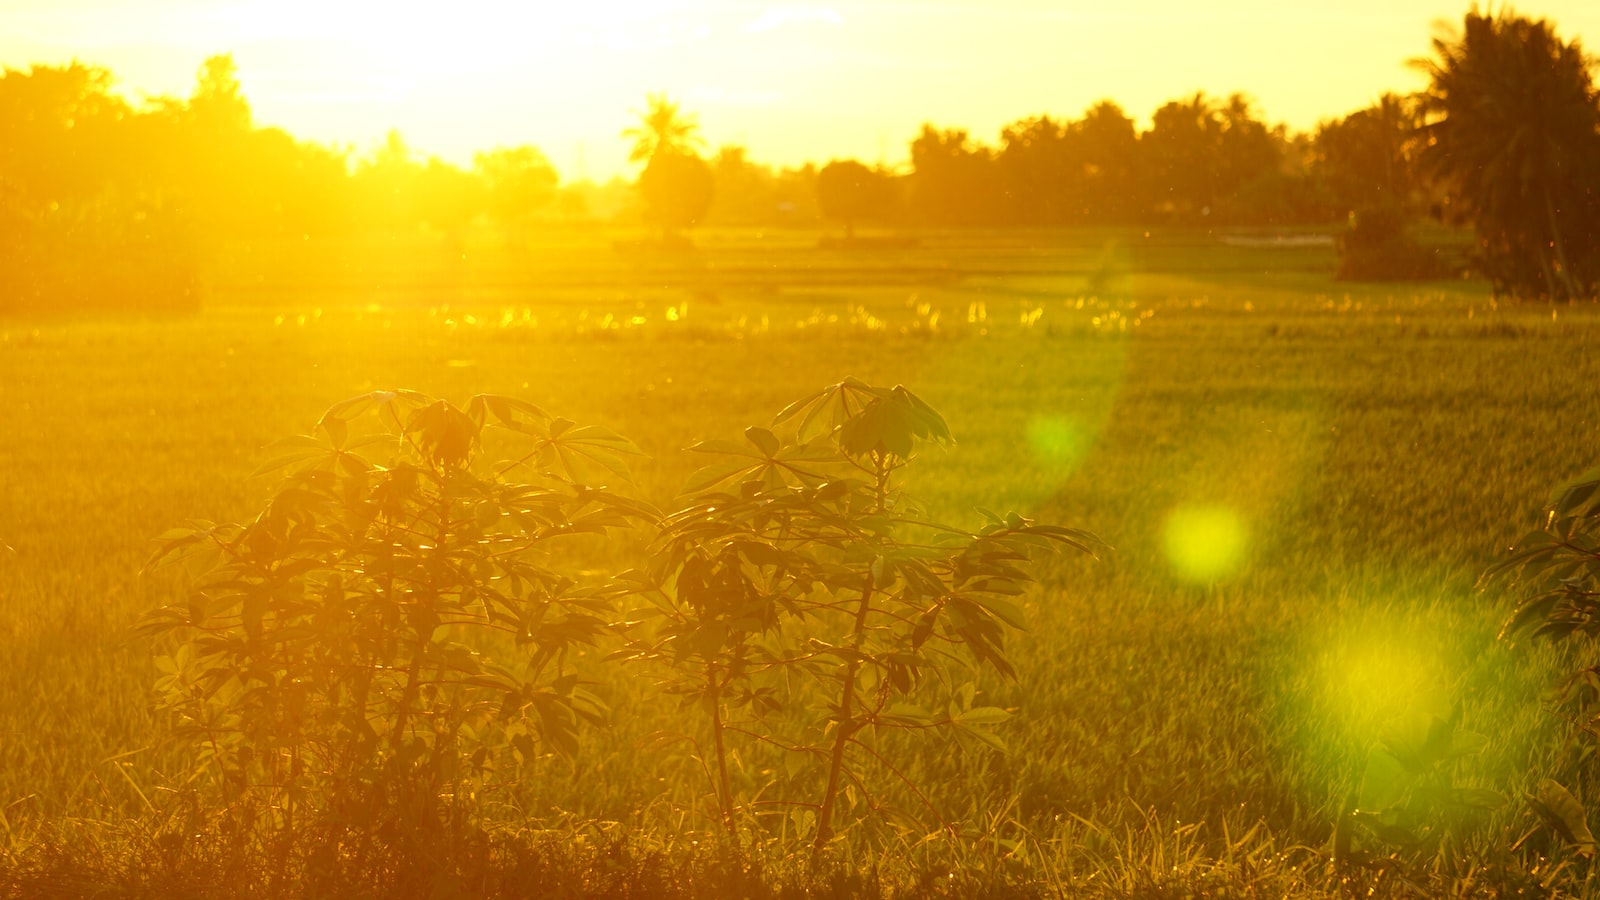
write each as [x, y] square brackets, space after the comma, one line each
[1058, 441]
[1390, 684]
[1386, 689]
[1205, 543]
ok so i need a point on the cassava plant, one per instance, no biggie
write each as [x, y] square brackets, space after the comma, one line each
[1409, 817]
[1557, 572]
[799, 581]
[390, 630]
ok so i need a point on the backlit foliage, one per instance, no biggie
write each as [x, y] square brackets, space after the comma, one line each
[385, 644]
[802, 597]
[387, 638]
[1557, 569]
[1512, 127]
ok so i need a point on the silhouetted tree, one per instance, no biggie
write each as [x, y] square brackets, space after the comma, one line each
[850, 192]
[210, 141]
[204, 155]
[1042, 173]
[1291, 192]
[218, 105]
[520, 182]
[1179, 157]
[1062, 173]
[1198, 155]
[1512, 126]
[1248, 149]
[953, 181]
[1109, 151]
[795, 190]
[677, 190]
[613, 201]
[448, 198]
[80, 224]
[295, 188]
[61, 134]
[745, 192]
[663, 128]
[1368, 158]
[386, 186]
[676, 183]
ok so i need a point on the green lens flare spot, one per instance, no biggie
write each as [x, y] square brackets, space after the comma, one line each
[1204, 543]
[1388, 693]
[1390, 684]
[1058, 441]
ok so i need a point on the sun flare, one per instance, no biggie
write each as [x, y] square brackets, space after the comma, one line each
[1014, 448]
[792, 82]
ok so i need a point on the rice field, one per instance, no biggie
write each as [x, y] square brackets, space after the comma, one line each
[1299, 482]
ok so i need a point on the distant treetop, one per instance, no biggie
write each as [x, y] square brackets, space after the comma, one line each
[663, 128]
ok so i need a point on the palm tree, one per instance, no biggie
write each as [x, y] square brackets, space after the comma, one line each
[663, 128]
[1369, 157]
[1510, 123]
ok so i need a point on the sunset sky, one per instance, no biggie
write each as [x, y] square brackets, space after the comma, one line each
[847, 78]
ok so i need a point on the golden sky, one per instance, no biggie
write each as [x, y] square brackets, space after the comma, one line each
[791, 82]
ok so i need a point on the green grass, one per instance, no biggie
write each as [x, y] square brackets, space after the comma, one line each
[1373, 448]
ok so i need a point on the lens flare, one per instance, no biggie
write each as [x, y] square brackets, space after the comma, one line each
[1204, 543]
[1385, 681]
[1058, 441]
[1391, 681]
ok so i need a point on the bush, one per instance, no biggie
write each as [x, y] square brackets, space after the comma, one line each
[1557, 571]
[1376, 247]
[800, 560]
[346, 663]
[386, 645]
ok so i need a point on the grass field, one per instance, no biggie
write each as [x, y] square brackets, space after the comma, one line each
[1299, 480]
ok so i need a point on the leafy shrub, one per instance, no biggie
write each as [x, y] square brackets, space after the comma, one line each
[1557, 570]
[1376, 247]
[801, 598]
[1559, 564]
[345, 665]
[336, 664]
[1409, 819]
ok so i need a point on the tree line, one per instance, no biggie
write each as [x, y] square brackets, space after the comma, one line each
[1203, 161]
[1504, 138]
[71, 142]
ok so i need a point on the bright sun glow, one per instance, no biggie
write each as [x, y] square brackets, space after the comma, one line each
[1385, 679]
[1389, 682]
[1058, 441]
[792, 82]
[1204, 543]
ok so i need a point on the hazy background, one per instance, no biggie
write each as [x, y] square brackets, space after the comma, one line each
[790, 82]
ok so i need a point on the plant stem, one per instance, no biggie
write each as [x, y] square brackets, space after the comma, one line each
[724, 786]
[847, 727]
[413, 688]
[847, 723]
